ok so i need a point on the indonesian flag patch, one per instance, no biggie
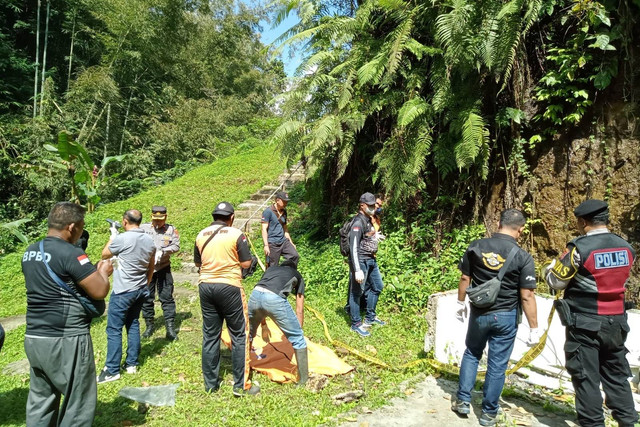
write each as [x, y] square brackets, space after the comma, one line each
[83, 259]
[356, 228]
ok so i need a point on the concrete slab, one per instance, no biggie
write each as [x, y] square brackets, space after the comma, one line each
[446, 337]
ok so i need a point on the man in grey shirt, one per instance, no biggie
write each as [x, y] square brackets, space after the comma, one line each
[135, 252]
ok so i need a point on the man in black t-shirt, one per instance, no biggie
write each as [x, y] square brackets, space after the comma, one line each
[57, 340]
[269, 299]
[498, 323]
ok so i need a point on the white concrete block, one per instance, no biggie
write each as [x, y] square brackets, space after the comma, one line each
[447, 334]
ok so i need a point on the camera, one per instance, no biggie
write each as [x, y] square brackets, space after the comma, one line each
[114, 223]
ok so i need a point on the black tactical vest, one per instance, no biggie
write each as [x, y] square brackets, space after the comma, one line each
[599, 284]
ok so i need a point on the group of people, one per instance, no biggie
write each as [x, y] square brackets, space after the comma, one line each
[63, 285]
[593, 272]
[65, 291]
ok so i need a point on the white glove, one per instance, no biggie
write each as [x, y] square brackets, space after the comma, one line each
[158, 256]
[379, 236]
[113, 230]
[534, 337]
[359, 276]
[461, 312]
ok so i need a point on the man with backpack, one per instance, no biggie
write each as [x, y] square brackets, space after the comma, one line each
[494, 321]
[364, 275]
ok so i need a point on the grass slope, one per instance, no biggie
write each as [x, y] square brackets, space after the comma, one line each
[189, 201]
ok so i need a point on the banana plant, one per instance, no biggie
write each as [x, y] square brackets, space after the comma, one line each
[14, 228]
[86, 177]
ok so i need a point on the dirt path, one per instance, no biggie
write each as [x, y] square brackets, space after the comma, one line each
[428, 404]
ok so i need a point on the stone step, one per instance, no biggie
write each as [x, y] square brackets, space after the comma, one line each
[259, 197]
[252, 205]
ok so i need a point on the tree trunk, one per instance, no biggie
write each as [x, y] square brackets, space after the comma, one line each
[106, 136]
[44, 57]
[126, 118]
[35, 78]
[73, 36]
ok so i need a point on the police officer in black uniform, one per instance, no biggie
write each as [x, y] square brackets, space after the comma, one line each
[594, 270]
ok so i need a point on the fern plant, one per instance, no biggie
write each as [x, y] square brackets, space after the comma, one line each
[410, 83]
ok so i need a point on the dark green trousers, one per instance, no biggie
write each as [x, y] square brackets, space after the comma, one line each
[62, 366]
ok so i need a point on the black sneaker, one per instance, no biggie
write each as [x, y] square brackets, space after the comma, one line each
[488, 419]
[239, 392]
[106, 377]
[462, 408]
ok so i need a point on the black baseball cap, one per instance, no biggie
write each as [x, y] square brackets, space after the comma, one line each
[368, 198]
[223, 208]
[590, 208]
[282, 195]
[158, 212]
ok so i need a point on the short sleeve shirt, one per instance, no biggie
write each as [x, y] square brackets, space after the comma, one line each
[51, 310]
[282, 280]
[482, 262]
[220, 258]
[275, 229]
[133, 249]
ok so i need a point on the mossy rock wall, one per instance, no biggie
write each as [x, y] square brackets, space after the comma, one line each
[563, 176]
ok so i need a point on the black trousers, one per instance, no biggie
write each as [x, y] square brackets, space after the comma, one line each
[220, 302]
[595, 353]
[284, 249]
[162, 280]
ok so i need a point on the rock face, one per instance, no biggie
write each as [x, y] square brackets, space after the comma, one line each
[563, 176]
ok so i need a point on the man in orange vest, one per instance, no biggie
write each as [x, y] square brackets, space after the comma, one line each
[221, 252]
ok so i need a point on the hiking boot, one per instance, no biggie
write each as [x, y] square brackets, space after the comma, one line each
[375, 321]
[488, 419]
[106, 377]
[302, 359]
[462, 408]
[131, 369]
[171, 332]
[150, 328]
[359, 329]
[239, 392]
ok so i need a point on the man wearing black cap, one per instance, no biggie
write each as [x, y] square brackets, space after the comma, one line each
[364, 275]
[593, 271]
[167, 241]
[275, 232]
[221, 252]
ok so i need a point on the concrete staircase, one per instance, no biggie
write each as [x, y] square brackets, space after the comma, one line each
[248, 215]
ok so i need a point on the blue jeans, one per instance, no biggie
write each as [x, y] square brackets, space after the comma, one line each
[267, 304]
[371, 287]
[124, 310]
[499, 329]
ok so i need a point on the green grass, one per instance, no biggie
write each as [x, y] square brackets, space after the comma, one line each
[189, 200]
[163, 362]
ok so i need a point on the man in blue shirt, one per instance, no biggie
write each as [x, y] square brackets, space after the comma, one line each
[275, 232]
[136, 255]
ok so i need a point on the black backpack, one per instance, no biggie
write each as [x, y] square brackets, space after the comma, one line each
[344, 236]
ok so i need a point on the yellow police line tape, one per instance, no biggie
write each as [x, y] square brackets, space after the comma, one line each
[527, 358]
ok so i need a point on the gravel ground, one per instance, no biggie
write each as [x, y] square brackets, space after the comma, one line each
[428, 403]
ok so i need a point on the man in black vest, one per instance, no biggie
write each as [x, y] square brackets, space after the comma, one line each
[594, 270]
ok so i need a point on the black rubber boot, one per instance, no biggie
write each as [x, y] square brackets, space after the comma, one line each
[150, 328]
[171, 332]
[303, 366]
